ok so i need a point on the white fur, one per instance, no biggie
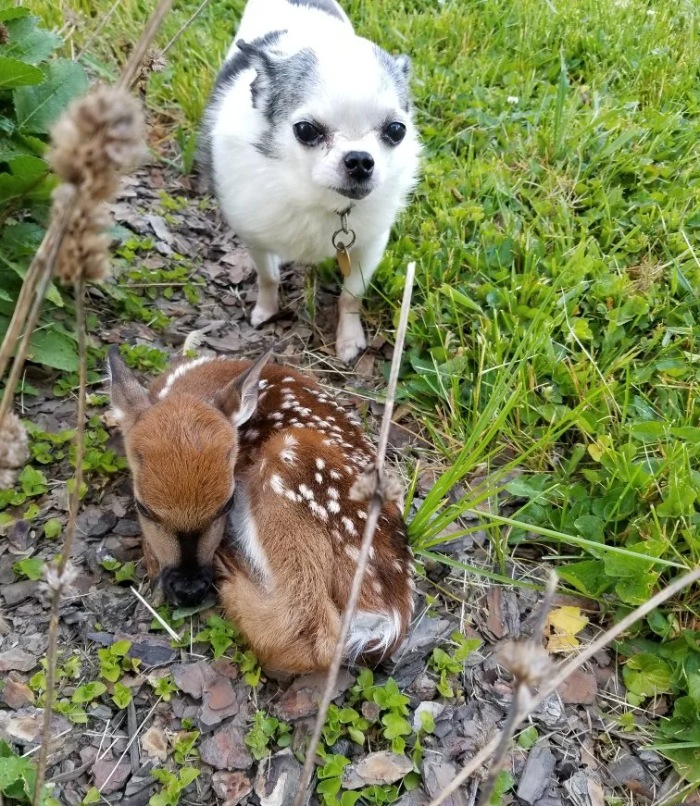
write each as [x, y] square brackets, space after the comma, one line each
[245, 534]
[178, 372]
[372, 631]
[284, 207]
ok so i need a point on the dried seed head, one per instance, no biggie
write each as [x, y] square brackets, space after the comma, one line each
[528, 662]
[84, 248]
[99, 137]
[155, 61]
[367, 485]
[56, 582]
[14, 450]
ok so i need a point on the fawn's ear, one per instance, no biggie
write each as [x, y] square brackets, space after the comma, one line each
[129, 398]
[239, 399]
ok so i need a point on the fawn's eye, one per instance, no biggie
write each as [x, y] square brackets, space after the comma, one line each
[394, 132]
[144, 511]
[227, 507]
[307, 133]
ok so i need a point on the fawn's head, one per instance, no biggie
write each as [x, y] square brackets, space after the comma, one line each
[182, 451]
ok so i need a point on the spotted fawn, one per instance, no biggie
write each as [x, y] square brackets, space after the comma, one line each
[242, 475]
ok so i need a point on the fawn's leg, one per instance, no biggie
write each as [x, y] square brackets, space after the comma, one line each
[270, 621]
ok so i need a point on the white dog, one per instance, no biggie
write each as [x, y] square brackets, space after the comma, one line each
[308, 121]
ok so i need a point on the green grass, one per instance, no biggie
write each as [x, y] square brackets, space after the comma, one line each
[556, 315]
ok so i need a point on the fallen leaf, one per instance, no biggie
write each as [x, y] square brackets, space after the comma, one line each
[565, 623]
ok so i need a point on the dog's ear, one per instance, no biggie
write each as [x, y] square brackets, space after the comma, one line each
[403, 62]
[260, 59]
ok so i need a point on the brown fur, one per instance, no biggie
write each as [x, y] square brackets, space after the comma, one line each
[181, 450]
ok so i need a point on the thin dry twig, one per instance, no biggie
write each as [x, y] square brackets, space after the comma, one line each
[186, 25]
[62, 576]
[565, 670]
[100, 25]
[133, 66]
[373, 512]
[521, 692]
[163, 623]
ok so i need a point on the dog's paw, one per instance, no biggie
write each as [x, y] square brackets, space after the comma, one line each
[350, 340]
[261, 313]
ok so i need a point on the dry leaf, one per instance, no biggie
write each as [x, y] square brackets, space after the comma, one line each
[564, 624]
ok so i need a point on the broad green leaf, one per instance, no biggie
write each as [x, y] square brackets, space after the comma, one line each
[120, 648]
[187, 775]
[15, 73]
[122, 695]
[54, 349]
[637, 589]
[652, 431]
[37, 108]
[91, 796]
[13, 13]
[28, 42]
[646, 675]
[30, 567]
[28, 179]
[528, 737]
[53, 528]
[587, 576]
[89, 691]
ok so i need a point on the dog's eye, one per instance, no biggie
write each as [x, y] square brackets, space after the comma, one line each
[394, 132]
[307, 133]
[144, 510]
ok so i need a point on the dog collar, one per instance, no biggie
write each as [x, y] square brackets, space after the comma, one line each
[341, 245]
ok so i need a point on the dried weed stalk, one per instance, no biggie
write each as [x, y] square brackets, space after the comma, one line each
[529, 663]
[375, 487]
[100, 137]
[562, 674]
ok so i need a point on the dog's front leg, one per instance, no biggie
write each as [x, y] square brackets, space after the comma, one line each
[350, 336]
[267, 266]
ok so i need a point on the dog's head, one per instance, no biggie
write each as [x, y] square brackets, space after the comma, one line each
[337, 115]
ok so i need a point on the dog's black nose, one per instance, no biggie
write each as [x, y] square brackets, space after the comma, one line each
[186, 590]
[359, 165]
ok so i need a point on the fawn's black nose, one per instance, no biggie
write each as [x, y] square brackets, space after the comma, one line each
[359, 165]
[187, 589]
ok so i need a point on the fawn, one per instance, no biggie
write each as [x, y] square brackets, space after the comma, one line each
[242, 472]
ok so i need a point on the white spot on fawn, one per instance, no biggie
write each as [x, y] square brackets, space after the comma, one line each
[318, 510]
[277, 484]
